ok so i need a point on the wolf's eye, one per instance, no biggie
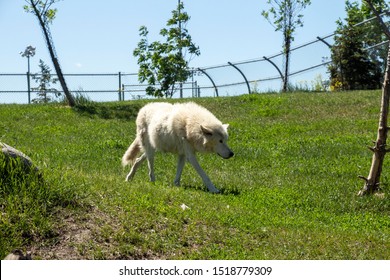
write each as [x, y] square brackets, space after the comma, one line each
[220, 141]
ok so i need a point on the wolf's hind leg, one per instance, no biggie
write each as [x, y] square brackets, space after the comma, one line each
[135, 166]
[150, 157]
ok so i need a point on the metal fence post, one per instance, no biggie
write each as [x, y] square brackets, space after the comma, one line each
[28, 87]
[120, 85]
[277, 68]
[242, 74]
[325, 42]
[208, 76]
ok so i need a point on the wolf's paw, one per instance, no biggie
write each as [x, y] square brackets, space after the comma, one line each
[176, 183]
[129, 177]
[213, 189]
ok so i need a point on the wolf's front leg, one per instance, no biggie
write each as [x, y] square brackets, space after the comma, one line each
[206, 180]
[180, 165]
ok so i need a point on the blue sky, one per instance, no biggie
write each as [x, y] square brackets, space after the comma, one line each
[95, 37]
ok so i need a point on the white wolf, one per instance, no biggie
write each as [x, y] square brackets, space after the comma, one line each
[183, 129]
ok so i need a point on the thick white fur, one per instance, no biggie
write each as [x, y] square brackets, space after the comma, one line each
[183, 129]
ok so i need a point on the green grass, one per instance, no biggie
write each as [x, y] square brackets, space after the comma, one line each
[290, 191]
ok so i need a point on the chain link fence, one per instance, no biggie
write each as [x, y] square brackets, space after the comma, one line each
[308, 71]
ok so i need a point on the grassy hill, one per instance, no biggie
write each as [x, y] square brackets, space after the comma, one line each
[290, 191]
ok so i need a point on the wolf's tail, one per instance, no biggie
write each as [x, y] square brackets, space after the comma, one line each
[132, 152]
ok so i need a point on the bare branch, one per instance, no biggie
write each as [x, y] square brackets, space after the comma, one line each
[363, 178]
[371, 149]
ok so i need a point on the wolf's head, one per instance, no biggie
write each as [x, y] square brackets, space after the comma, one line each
[215, 140]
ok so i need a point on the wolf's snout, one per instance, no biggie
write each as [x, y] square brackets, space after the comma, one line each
[230, 154]
[227, 155]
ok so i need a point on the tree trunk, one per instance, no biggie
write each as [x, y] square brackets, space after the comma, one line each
[372, 181]
[287, 65]
[53, 56]
[287, 51]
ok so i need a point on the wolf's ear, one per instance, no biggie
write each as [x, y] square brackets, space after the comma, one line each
[206, 130]
[225, 126]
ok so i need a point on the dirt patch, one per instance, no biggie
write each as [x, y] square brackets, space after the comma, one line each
[79, 237]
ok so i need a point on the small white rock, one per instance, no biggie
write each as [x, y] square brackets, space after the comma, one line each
[184, 207]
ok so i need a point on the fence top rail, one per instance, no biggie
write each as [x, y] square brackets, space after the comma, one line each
[102, 74]
[13, 74]
[74, 74]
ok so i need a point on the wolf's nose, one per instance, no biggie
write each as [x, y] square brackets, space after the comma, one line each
[231, 154]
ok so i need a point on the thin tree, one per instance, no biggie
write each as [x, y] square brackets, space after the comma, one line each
[379, 150]
[164, 64]
[45, 81]
[286, 17]
[45, 15]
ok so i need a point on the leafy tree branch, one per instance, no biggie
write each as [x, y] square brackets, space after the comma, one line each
[163, 64]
